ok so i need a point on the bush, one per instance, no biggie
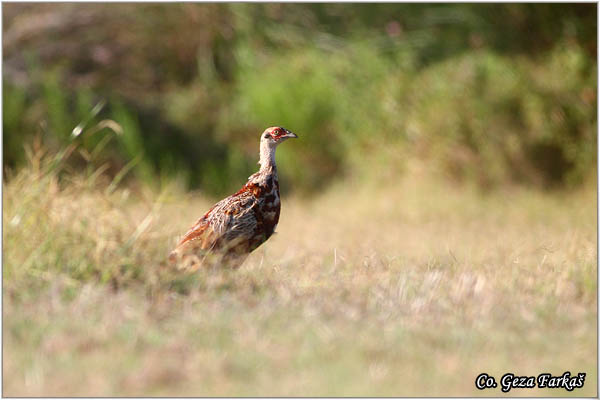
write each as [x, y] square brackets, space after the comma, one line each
[366, 89]
[496, 119]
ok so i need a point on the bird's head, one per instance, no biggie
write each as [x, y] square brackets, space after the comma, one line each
[276, 135]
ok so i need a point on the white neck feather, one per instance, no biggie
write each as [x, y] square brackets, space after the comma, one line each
[267, 156]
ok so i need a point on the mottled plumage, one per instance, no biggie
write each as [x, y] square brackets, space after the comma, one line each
[238, 224]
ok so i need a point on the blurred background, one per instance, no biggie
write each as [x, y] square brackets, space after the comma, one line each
[480, 94]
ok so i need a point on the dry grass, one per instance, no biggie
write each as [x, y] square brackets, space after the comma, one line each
[410, 289]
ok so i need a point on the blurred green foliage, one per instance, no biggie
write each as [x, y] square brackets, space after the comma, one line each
[486, 93]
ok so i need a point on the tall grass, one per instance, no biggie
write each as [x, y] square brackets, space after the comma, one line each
[410, 289]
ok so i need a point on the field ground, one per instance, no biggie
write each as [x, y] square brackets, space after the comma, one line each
[407, 289]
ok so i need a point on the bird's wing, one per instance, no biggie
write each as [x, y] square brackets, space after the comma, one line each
[229, 222]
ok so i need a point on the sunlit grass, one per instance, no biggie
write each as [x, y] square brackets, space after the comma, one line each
[408, 288]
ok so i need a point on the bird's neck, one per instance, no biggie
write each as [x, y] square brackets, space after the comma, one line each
[267, 158]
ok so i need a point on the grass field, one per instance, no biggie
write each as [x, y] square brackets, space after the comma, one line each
[407, 288]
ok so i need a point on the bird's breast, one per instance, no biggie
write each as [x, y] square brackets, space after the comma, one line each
[270, 206]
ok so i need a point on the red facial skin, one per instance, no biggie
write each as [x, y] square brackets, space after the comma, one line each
[276, 133]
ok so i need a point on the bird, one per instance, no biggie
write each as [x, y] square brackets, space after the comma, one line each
[237, 225]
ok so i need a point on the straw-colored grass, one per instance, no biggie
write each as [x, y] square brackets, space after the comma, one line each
[409, 288]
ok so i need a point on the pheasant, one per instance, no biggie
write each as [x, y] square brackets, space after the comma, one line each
[238, 224]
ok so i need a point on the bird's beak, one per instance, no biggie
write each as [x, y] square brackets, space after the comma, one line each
[289, 134]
